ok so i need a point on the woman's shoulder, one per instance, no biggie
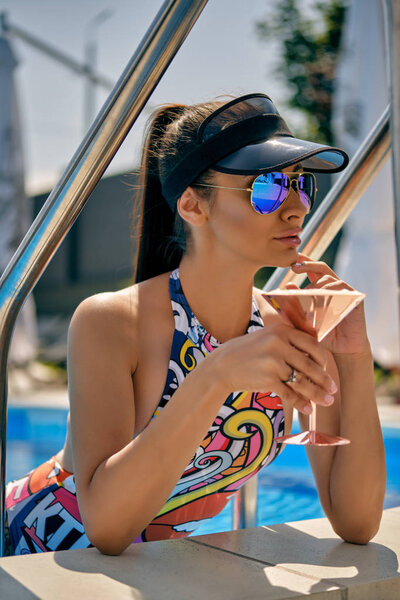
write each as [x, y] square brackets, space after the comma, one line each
[120, 316]
[127, 302]
[106, 308]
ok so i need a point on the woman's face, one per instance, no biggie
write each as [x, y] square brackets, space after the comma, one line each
[237, 228]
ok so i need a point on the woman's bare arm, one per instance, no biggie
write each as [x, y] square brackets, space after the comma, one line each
[351, 479]
[122, 483]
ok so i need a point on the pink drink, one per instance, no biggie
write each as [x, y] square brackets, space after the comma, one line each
[317, 312]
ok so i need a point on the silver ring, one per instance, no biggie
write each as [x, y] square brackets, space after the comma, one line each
[292, 378]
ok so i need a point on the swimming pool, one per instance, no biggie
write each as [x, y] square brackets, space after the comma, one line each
[286, 490]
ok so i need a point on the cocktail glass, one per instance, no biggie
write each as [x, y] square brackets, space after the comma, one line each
[317, 312]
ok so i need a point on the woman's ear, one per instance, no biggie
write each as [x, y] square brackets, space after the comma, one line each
[192, 208]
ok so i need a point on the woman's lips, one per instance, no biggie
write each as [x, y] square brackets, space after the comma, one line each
[293, 240]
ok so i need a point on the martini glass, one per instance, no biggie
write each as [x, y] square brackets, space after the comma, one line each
[317, 312]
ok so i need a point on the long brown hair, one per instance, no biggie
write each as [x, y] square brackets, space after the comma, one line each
[163, 236]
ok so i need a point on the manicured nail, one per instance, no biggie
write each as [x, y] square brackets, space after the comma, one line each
[328, 399]
[299, 264]
[307, 409]
[333, 387]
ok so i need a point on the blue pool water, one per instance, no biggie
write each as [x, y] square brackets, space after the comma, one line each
[286, 490]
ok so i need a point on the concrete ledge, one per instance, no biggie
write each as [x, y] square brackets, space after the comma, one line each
[278, 562]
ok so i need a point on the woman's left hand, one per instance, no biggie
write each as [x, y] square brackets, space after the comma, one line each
[350, 336]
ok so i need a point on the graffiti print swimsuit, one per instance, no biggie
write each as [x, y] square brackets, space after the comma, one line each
[42, 509]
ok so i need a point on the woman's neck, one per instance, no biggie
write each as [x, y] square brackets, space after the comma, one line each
[219, 295]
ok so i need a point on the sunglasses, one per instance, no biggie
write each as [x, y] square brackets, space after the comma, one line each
[270, 190]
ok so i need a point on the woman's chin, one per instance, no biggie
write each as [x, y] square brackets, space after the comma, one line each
[282, 261]
[288, 261]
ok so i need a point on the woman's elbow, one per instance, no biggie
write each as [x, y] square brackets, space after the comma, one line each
[109, 549]
[357, 534]
[111, 539]
[107, 533]
[107, 544]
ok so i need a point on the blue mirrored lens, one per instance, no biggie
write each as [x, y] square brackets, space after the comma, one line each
[271, 189]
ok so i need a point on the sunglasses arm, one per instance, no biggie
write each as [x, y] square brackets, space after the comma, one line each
[221, 187]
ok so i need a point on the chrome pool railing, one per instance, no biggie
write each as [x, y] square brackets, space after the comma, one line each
[144, 70]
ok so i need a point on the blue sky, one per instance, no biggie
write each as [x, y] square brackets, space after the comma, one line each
[221, 55]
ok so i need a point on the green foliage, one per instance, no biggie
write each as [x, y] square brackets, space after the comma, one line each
[308, 56]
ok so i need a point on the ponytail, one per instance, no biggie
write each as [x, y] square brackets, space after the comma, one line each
[162, 235]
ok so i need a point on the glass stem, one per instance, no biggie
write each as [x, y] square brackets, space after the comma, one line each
[312, 419]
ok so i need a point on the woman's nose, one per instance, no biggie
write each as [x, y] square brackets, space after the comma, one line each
[294, 202]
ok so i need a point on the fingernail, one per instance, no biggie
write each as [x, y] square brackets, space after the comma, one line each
[328, 399]
[299, 264]
[307, 409]
[333, 387]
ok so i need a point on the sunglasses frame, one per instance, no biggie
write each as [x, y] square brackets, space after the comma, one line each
[250, 189]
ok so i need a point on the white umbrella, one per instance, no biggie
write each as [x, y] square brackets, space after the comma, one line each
[15, 208]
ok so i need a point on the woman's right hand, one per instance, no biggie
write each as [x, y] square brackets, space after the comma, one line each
[261, 361]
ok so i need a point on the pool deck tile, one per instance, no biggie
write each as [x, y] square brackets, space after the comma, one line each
[168, 570]
[312, 549]
[290, 560]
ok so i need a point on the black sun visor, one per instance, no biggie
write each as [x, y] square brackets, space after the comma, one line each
[247, 136]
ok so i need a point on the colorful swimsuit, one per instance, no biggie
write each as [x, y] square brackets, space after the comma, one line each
[42, 509]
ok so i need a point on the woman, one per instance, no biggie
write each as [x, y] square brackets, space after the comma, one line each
[224, 190]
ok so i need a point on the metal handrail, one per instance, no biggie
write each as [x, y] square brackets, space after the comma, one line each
[144, 70]
[318, 234]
